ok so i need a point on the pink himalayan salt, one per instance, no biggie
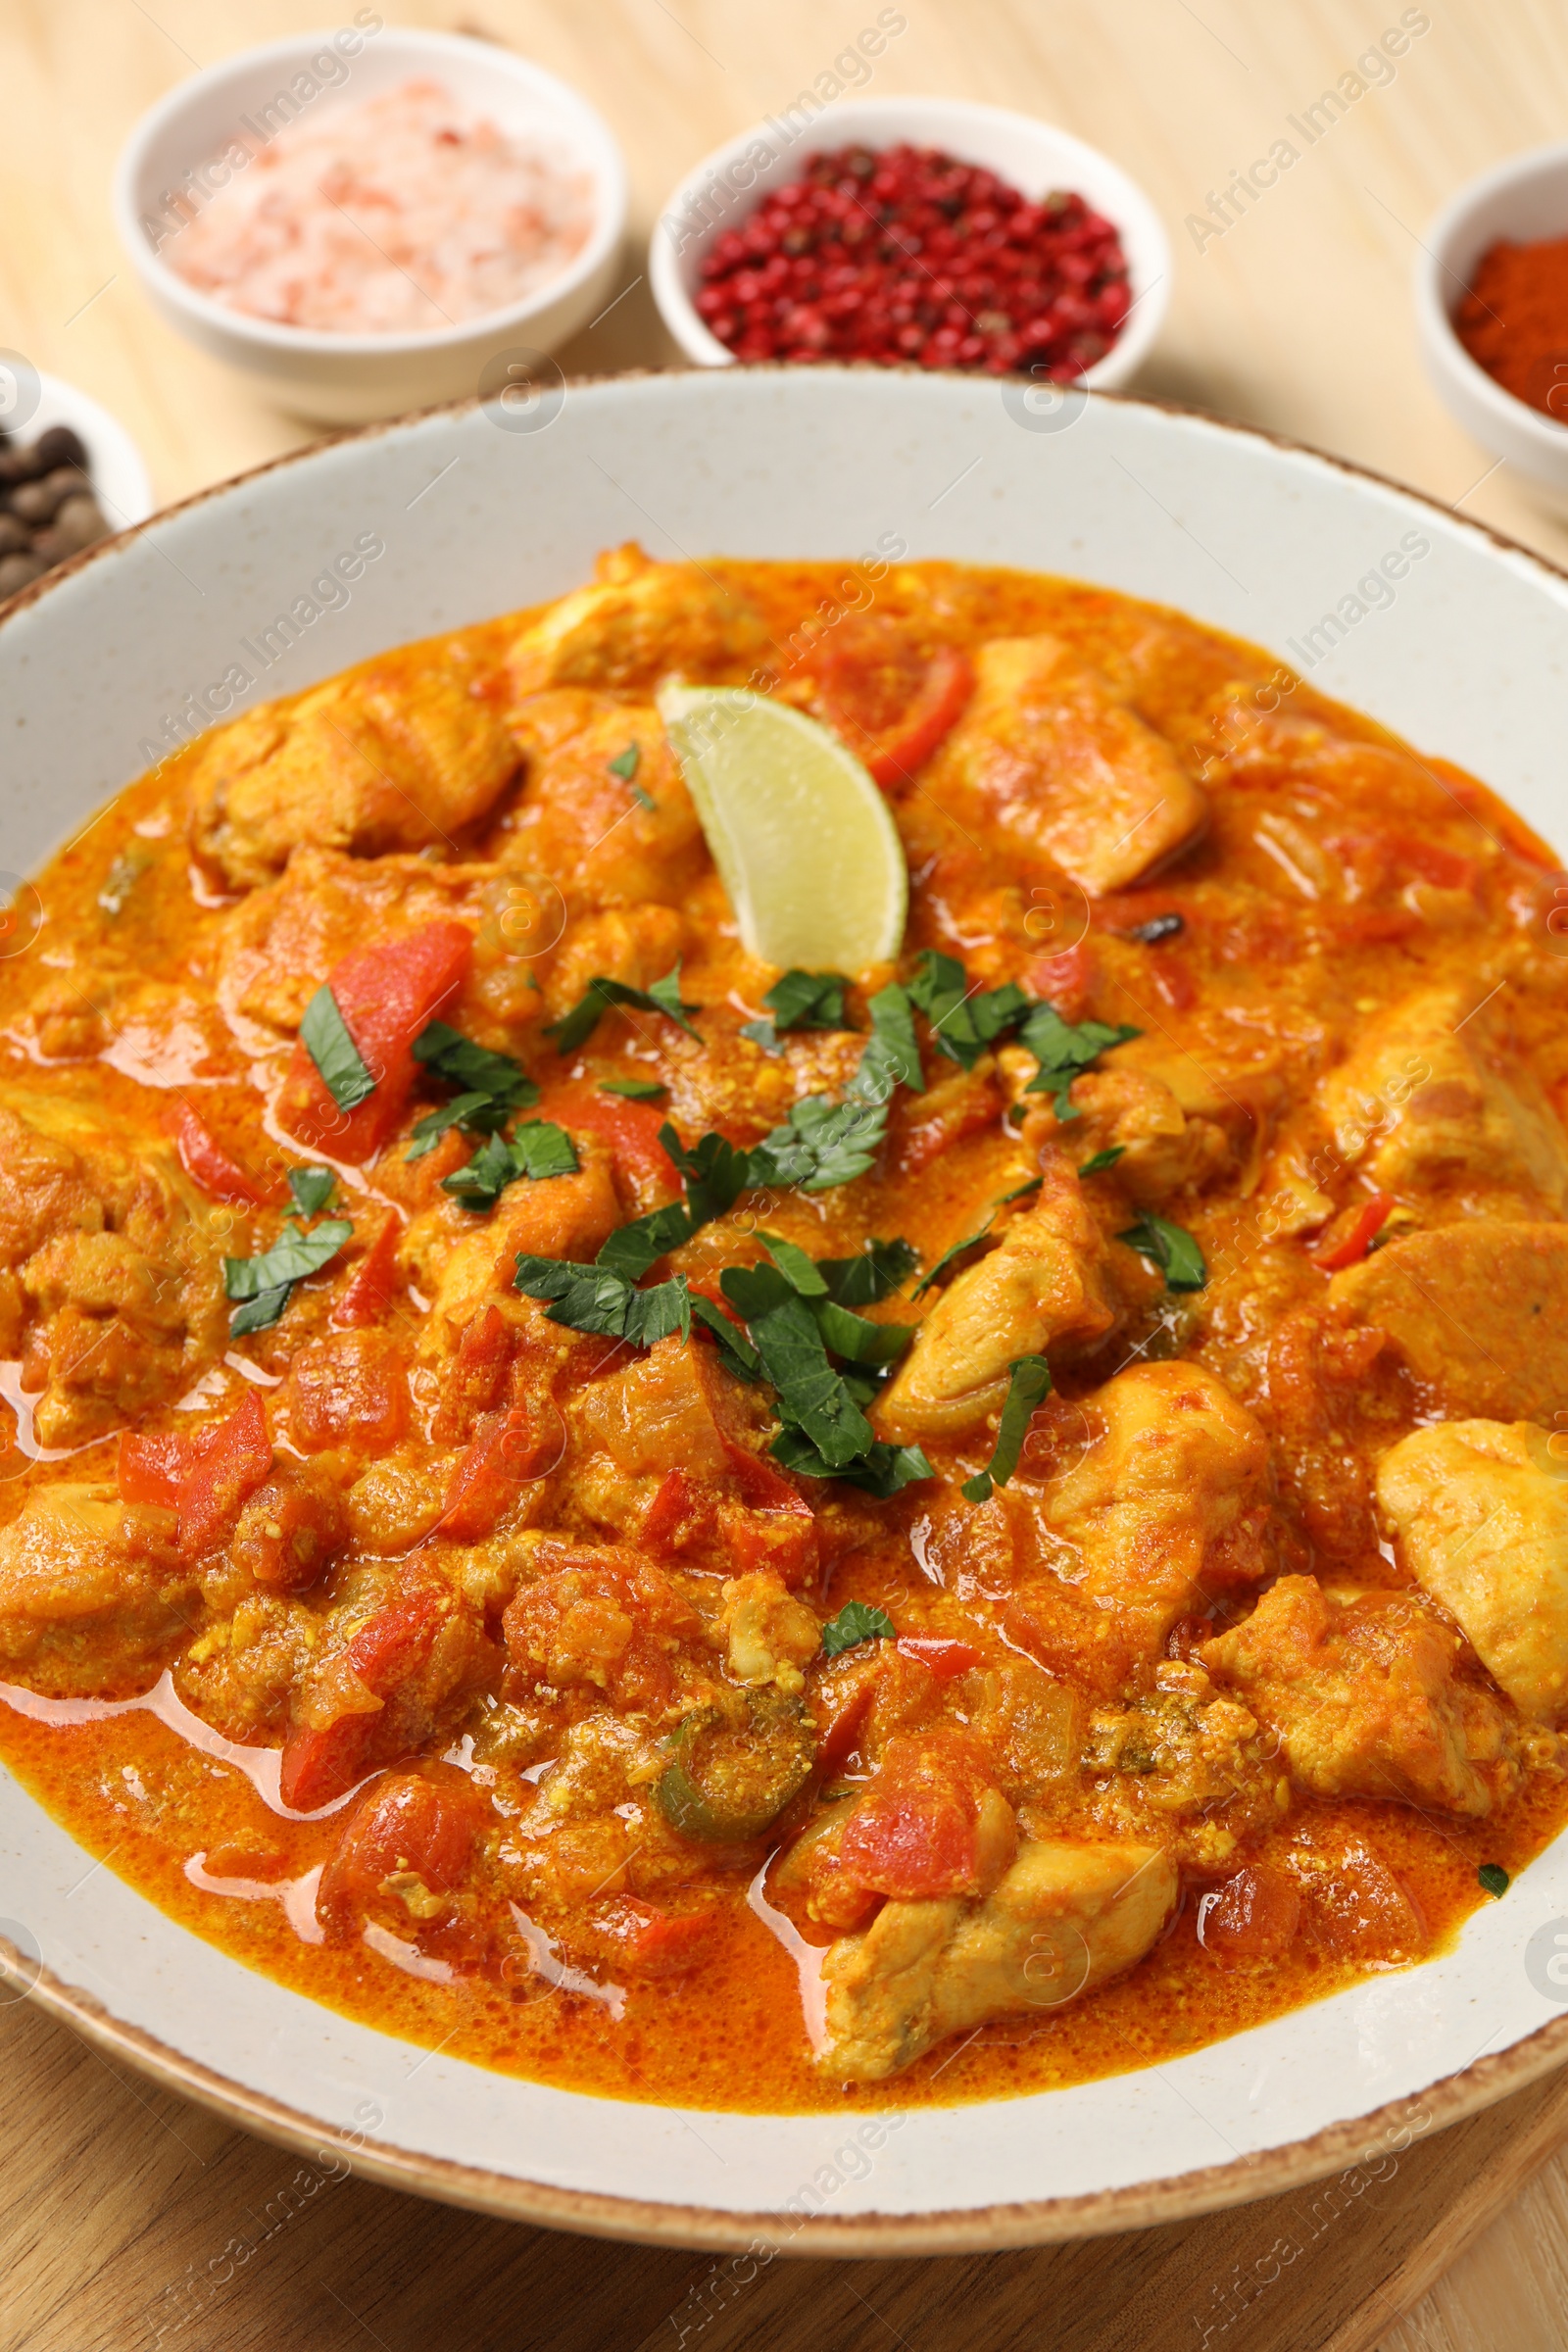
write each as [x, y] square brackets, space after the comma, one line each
[404, 214]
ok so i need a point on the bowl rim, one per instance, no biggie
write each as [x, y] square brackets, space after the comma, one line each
[1132, 345]
[587, 129]
[1503, 408]
[967, 2230]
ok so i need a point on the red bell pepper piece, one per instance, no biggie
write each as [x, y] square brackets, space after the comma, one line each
[367, 1293]
[629, 1132]
[207, 1165]
[386, 996]
[1348, 1243]
[945, 1658]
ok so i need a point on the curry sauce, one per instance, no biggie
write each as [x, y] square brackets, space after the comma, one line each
[731, 1536]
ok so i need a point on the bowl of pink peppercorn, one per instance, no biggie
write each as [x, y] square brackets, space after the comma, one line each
[912, 231]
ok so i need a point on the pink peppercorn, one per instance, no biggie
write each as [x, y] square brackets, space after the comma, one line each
[912, 255]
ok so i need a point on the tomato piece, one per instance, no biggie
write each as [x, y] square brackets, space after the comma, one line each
[322, 1761]
[928, 1126]
[1350, 1236]
[423, 1823]
[847, 1700]
[350, 1388]
[915, 1832]
[644, 1172]
[945, 1658]
[682, 1510]
[394, 1643]
[207, 1165]
[475, 1380]
[646, 1941]
[292, 1530]
[929, 720]
[1253, 1916]
[152, 1467]
[204, 1478]
[1066, 980]
[386, 996]
[367, 1293]
[507, 1450]
[892, 704]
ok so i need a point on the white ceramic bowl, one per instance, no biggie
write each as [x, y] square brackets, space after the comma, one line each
[29, 403]
[348, 379]
[721, 189]
[474, 514]
[1523, 199]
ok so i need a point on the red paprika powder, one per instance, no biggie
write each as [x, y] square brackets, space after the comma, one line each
[1513, 321]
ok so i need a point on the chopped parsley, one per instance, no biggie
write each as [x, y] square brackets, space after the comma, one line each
[1064, 1051]
[633, 1251]
[264, 1284]
[1173, 1249]
[635, 1090]
[599, 1299]
[1029, 1386]
[875, 1274]
[539, 1147]
[491, 1087]
[820, 1144]
[853, 1624]
[324, 1035]
[625, 768]
[312, 1189]
[964, 1021]
[577, 1027]
[797, 1327]
[1098, 1161]
[1495, 1879]
[799, 1001]
[893, 1056]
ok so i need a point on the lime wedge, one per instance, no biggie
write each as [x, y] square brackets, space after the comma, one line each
[805, 843]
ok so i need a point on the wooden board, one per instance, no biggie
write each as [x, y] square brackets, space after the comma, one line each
[133, 2219]
[1298, 318]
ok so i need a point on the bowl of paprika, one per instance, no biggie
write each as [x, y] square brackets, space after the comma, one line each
[1491, 304]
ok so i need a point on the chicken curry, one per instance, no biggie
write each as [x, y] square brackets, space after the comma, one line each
[710, 1532]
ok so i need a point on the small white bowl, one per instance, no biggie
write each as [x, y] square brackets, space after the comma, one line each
[115, 466]
[1033, 156]
[347, 380]
[1523, 200]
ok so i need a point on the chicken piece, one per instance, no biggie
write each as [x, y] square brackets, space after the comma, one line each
[1430, 1096]
[770, 1634]
[1187, 1752]
[635, 947]
[1063, 1920]
[463, 1258]
[1477, 1310]
[377, 761]
[93, 1593]
[1042, 1284]
[111, 1281]
[1050, 760]
[638, 622]
[1364, 1698]
[1164, 1149]
[1479, 1514]
[1171, 1501]
[609, 837]
[279, 945]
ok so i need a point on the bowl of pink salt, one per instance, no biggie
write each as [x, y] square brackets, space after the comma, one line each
[374, 218]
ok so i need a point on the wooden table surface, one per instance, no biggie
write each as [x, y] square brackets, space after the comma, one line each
[1297, 317]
